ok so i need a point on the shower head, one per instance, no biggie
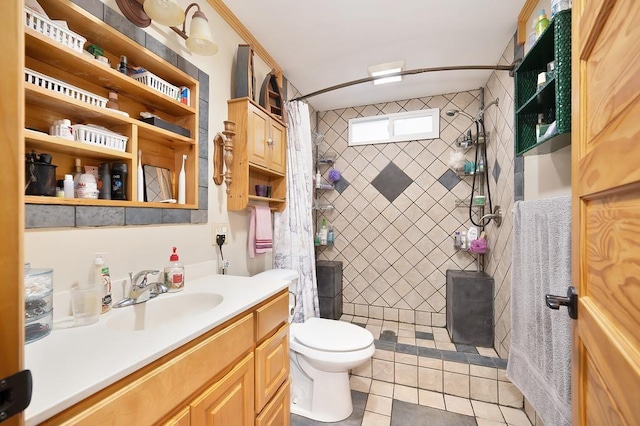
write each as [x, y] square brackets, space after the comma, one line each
[479, 116]
[453, 112]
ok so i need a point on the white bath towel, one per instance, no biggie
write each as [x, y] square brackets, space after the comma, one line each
[540, 352]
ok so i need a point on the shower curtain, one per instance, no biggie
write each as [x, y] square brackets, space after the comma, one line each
[293, 228]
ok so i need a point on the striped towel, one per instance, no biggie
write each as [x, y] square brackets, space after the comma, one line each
[260, 231]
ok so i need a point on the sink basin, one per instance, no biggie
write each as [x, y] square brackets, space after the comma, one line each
[162, 311]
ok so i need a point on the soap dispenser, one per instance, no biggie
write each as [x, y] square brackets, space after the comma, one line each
[174, 273]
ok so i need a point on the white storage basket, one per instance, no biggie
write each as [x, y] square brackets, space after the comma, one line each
[53, 30]
[158, 84]
[99, 137]
[51, 83]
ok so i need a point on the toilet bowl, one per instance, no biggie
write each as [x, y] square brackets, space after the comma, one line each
[322, 352]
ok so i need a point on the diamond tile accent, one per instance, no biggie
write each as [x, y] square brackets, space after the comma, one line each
[449, 179]
[391, 182]
[496, 171]
[341, 185]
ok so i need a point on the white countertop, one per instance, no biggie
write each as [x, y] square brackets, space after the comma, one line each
[71, 364]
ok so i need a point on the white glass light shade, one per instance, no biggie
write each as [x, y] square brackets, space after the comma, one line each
[164, 12]
[200, 40]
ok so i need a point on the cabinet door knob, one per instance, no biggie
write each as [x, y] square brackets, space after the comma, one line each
[270, 141]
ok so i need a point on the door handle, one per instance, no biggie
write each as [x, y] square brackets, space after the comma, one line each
[570, 301]
[15, 394]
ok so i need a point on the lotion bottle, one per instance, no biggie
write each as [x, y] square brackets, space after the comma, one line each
[101, 279]
[174, 273]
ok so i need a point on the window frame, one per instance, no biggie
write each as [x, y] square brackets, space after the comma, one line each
[434, 113]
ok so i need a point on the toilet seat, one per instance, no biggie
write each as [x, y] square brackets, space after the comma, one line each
[332, 336]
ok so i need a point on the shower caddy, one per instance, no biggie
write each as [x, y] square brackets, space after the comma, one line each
[321, 162]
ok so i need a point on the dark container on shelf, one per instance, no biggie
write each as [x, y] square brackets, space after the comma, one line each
[104, 183]
[40, 179]
[167, 126]
[119, 181]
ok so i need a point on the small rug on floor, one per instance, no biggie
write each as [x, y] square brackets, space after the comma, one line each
[405, 413]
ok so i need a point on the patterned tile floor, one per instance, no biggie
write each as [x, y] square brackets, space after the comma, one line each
[419, 377]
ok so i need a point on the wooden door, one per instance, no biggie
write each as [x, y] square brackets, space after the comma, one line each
[257, 134]
[229, 402]
[278, 147]
[606, 211]
[11, 195]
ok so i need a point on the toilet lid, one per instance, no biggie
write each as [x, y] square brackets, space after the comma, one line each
[332, 336]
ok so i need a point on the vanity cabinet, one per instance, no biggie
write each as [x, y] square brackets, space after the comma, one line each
[215, 379]
[277, 412]
[183, 418]
[259, 155]
[43, 105]
[229, 401]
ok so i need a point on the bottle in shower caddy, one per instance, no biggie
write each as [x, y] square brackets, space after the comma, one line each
[463, 240]
[457, 243]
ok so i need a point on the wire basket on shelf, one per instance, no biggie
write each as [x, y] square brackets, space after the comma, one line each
[58, 86]
[52, 30]
[155, 82]
[98, 136]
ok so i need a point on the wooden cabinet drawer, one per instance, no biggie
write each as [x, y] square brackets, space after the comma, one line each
[272, 366]
[278, 411]
[153, 392]
[183, 418]
[271, 316]
[229, 401]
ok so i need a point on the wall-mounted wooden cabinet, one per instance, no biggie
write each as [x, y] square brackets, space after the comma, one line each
[265, 140]
[159, 147]
[259, 155]
[550, 101]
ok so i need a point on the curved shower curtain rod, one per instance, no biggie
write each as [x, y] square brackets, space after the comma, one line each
[408, 72]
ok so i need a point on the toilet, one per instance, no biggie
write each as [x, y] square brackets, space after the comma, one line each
[322, 352]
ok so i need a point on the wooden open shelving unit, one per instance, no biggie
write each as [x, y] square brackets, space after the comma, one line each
[160, 147]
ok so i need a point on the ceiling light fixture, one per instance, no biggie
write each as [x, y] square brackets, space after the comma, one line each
[169, 13]
[385, 71]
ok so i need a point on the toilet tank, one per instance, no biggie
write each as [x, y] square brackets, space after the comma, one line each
[280, 275]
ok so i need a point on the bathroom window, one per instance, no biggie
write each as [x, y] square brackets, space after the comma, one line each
[400, 127]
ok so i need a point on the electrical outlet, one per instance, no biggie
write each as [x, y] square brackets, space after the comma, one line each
[220, 229]
[226, 264]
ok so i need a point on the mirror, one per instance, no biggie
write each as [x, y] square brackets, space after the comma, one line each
[157, 183]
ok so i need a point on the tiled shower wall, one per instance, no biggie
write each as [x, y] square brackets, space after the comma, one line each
[499, 121]
[395, 212]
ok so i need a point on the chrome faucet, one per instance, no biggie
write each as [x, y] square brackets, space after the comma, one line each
[141, 289]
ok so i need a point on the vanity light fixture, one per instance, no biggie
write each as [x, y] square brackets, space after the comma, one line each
[169, 13]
